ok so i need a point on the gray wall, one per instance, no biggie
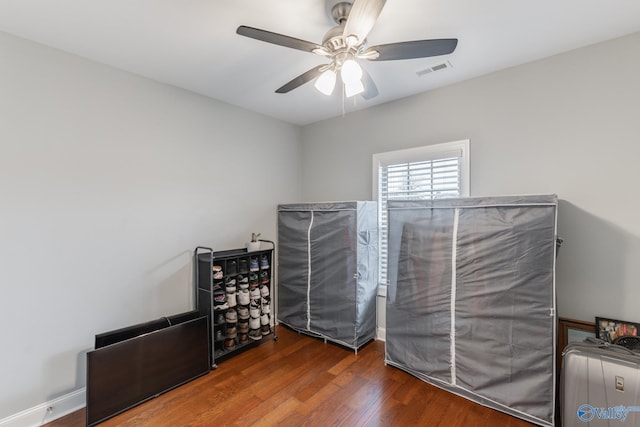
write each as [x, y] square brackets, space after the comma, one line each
[566, 125]
[107, 183]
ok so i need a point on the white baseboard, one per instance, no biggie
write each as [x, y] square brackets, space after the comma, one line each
[48, 411]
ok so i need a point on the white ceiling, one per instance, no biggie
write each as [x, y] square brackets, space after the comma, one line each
[192, 44]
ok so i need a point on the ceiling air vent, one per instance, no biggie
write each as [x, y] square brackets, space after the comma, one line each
[436, 67]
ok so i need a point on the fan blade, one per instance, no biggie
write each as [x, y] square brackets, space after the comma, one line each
[370, 89]
[302, 79]
[410, 50]
[363, 15]
[275, 38]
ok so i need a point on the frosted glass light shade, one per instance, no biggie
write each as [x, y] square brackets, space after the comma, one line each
[353, 88]
[350, 72]
[326, 82]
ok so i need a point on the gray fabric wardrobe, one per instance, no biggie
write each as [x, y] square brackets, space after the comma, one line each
[471, 299]
[327, 270]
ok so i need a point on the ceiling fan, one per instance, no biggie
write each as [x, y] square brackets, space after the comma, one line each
[346, 43]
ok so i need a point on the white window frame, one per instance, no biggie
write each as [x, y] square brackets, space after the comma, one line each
[420, 154]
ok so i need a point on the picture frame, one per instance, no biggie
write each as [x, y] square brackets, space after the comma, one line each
[571, 330]
[610, 329]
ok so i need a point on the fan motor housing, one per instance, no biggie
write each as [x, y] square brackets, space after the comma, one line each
[333, 39]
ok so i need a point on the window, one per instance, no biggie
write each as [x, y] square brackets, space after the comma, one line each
[430, 172]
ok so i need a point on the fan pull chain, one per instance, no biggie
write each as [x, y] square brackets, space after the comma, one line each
[343, 111]
[355, 102]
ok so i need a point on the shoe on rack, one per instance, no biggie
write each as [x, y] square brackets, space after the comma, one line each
[255, 310]
[243, 313]
[231, 316]
[244, 297]
[229, 343]
[264, 262]
[220, 319]
[219, 335]
[264, 291]
[264, 319]
[243, 338]
[243, 328]
[254, 323]
[253, 264]
[243, 268]
[219, 297]
[266, 306]
[232, 267]
[243, 324]
[254, 293]
[232, 332]
[242, 279]
[217, 272]
[231, 300]
[255, 334]
[266, 329]
[224, 306]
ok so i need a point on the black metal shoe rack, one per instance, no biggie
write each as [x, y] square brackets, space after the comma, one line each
[234, 290]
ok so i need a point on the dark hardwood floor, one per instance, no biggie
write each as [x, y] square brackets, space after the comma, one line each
[301, 381]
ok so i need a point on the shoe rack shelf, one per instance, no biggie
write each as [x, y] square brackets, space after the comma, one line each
[234, 292]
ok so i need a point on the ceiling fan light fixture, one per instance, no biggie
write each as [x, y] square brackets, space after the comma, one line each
[351, 72]
[326, 82]
[345, 44]
[353, 88]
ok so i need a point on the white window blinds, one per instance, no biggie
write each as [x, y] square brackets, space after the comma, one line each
[435, 172]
